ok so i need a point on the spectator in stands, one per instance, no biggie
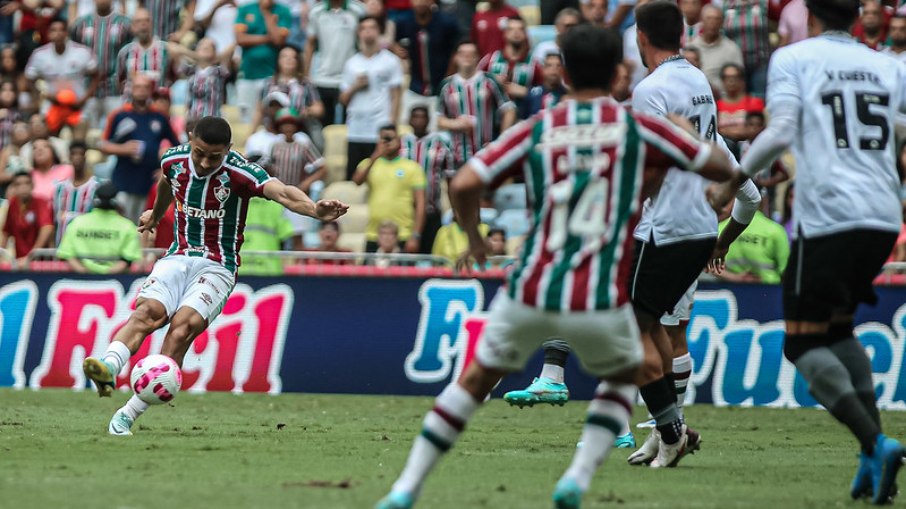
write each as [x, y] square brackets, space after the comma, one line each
[266, 229]
[46, 169]
[387, 27]
[387, 243]
[760, 254]
[146, 55]
[595, 12]
[332, 33]
[777, 173]
[206, 80]
[427, 40]
[692, 55]
[329, 235]
[294, 159]
[106, 33]
[496, 240]
[631, 54]
[101, 241]
[735, 104]
[786, 219]
[11, 70]
[38, 126]
[29, 221]
[550, 91]
[165, 16]
[434, 153]
[9, 110]
[715, 50]
[566, 19]
[35, 19]
[452, 241]
[488, 26]
[260, 142]
[216, 19]
[371, 90]
[396, 192]
[871, 29]
[551, 10]
[7, 11]
[289, 78]
[74, 196]
[79, 8]
[692, 20]
[620, 14]
[472, 123]
[160, 101]
[162, 236]
[620, 90]
[261, 29]
[513, 66]
[11, 160]
[897, 31]
[134, 134]
[793, 25]
[746, 24]
[64, 66]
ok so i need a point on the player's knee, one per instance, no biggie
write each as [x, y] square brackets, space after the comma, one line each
[796, 345]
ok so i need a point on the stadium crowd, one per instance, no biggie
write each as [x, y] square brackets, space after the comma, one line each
[374, 103]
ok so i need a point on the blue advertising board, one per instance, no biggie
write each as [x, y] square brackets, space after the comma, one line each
[401, 335]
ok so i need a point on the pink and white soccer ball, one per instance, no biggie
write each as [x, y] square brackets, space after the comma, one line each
[156, 379]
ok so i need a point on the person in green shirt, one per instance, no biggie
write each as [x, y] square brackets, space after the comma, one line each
[760, 254]
[261, 30]
[101, 241]
[266, 228]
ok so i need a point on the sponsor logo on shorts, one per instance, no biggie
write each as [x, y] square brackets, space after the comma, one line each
[149, 282]
[207, 299]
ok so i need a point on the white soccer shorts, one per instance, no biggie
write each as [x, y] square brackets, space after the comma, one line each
[185, 281]
[606, 342]
[682, 312]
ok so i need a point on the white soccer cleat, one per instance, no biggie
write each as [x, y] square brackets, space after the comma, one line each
[120, 424]
[648, 451]
[669, 456]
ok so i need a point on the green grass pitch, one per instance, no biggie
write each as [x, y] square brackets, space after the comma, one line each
[335, 452]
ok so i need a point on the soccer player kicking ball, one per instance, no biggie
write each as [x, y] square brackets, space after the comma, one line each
[586, 162]
[188, 287]
[835, 101]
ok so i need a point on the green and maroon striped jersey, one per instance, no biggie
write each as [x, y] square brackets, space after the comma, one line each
[584, 165]
[746, 24]
[210, 211]
[153, 61]
[479, 97]
[106, 36]
[434, 153]
[525, 72]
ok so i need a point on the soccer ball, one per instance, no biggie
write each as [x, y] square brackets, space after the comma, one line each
[156, 379]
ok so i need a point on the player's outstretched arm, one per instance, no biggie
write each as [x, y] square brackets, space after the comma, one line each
[151, 218]
[297, 201]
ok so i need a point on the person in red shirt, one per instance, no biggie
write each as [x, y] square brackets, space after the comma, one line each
[488, 26]
[871, 28]
[29, 220]
[733, 107]
[162, 237]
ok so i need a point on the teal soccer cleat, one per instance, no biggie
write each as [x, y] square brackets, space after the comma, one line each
[885, 463]
[861, 485]
[567, 494]
[120, 424]
[626, 441]
[542, 390]
[396, 501]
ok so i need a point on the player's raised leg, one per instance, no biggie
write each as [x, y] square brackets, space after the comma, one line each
[149, 315]
[549, 386]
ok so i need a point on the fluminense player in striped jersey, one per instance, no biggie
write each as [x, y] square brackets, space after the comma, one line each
[835, 101]
[588, 163]
[211, 186]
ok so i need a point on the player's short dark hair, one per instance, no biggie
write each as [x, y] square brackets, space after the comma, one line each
[78, 144]
[213, 131]
[835, 14]
[423, 109]
[662, 22]
[591, 55]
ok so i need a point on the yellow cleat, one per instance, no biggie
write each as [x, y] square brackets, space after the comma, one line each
[101, 374]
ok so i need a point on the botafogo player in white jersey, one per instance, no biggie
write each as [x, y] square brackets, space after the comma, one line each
[835, 102]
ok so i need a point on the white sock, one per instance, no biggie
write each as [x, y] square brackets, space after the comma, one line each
[135, 407]
[440, 429]
[117, 355]
[682, 370]
[606, 413]
[553, 372]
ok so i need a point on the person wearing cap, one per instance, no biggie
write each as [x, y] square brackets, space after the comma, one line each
[260, 142]
[101, 241]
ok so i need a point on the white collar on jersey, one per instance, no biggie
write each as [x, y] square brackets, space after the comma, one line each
[840, 34]
[671, 58]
